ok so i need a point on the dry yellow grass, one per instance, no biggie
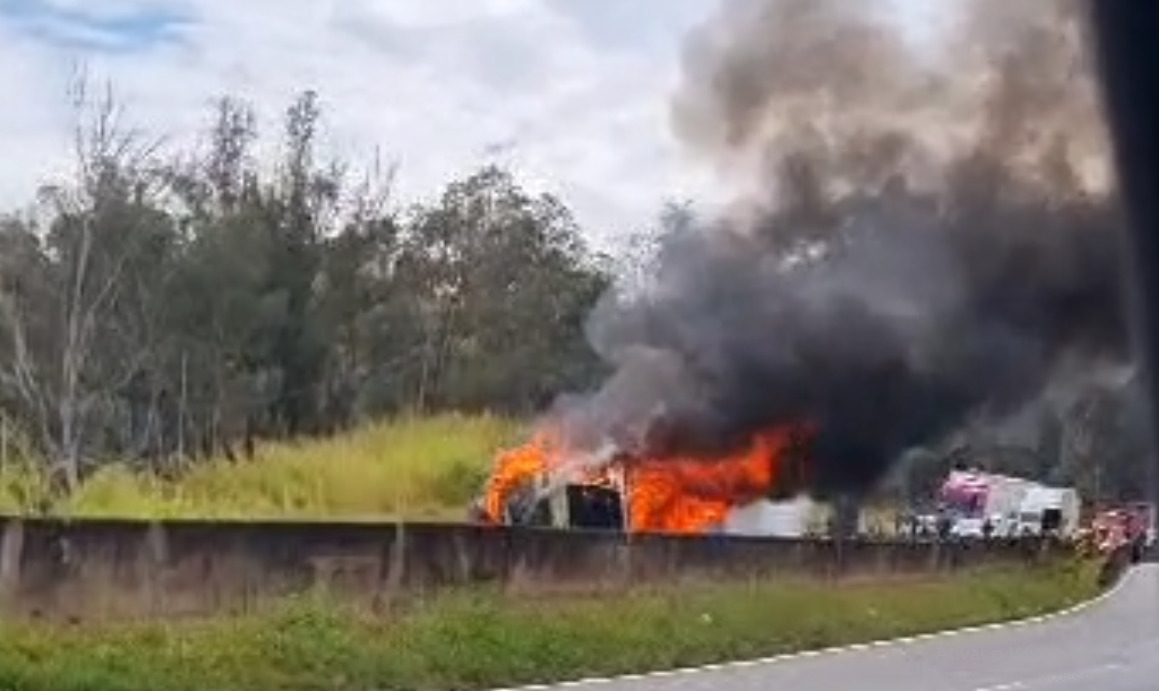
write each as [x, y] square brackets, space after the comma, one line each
[426, 468]
[413, 467]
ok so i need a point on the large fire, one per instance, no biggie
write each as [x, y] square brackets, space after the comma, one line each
[681, 494]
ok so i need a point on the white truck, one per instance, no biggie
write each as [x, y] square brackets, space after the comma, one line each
[974, 497]
[766, 518]
[1049, 510]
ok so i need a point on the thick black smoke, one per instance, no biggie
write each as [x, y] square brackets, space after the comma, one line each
[894, 268]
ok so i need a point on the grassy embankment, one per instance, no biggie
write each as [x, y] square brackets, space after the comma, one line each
[476, 641]
[427, 468]
[412, 468]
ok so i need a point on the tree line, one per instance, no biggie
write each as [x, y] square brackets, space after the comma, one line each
[158, 307]
[161, 307]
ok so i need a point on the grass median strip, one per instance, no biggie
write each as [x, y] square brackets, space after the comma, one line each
[478, 640]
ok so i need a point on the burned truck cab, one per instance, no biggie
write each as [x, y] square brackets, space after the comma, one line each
[571, 505]
[593, 507]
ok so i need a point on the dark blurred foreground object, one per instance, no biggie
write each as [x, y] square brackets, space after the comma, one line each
[1113, 567]
[1126, 47]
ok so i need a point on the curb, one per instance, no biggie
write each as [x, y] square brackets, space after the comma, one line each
[855, 647]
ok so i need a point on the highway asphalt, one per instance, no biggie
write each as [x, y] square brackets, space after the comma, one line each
[1112, 645]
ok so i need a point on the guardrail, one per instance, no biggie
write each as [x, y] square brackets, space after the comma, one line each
[85, 569]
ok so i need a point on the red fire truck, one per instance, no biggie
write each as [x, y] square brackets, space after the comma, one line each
[1130, 524]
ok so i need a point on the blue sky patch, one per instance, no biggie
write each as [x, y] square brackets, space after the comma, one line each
[91, 29]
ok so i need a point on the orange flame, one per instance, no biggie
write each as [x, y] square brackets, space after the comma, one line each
[668, 494]
[514, 467]
[691, 495]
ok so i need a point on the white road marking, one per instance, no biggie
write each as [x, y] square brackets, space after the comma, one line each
[883, 643]
[1069, 675]
[1003, 687]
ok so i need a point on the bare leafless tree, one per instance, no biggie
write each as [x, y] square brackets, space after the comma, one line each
[77, 363]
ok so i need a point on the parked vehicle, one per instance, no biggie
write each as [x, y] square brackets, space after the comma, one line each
[1131, 524]
[772, 518]
[974, 499]
[1049, 511]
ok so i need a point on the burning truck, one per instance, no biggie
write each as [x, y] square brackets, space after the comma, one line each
[543, 483]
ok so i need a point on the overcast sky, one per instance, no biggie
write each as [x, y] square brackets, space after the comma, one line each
[572, 94]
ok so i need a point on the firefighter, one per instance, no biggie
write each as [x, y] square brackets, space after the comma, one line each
[945, 525]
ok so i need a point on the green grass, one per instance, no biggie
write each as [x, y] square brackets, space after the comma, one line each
[412, 467]
[478, 640]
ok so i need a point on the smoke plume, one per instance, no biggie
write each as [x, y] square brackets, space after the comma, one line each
[923, 236]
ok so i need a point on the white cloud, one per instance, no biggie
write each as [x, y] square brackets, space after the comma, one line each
[435, 83]
[33, 131]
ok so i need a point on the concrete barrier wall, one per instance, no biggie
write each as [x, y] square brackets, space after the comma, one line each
[90, 569]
